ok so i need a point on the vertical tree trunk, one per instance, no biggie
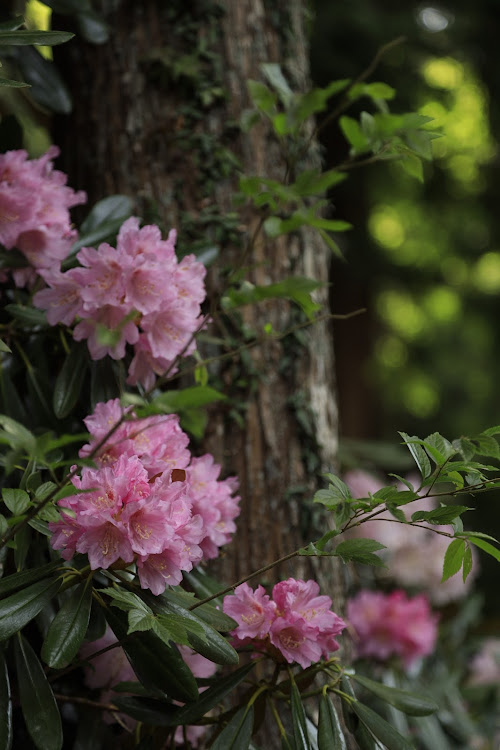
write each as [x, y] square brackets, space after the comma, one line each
[155, 117]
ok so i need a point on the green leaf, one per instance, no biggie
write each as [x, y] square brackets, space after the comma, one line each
[45, 38]
[6, 729]
[20, 608]
[114, 208]
[12, 24]
[315, 101]
[17, 501]
[208, 612]
[441, 516]
[195, 397]
[67, 629]
[413, 166]
[274, 75]
[487, 446]
[413, 704]
[485, 546]
[467, 562]
[492, 430]
[204, 639]
[25, 577]
[237, 734]
[148, 710]
[8, 82]
[48, 87]
[157, 665]
[262, 96]
[360, 551]
[38, 704]
[352, 131]
[16, 435]
[125, 600]
[330, 735]
[69, 383]
[210, 698]
[382, 730]
[418, 453]
[440, 444]
[314, 182]
[299, 724]
[376, 90]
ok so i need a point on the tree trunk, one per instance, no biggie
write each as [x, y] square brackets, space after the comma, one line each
[156, 115]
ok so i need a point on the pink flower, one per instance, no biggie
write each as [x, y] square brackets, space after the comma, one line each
[253, 611]
[135, 295]
[296, 622]
[392, 625]
[485, 666]
[34, 203]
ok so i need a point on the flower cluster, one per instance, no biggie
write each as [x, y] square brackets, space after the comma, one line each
[294, 624]
[34, 217]
[414, 555]
[137, 294]
[392, 625]
[148, 501]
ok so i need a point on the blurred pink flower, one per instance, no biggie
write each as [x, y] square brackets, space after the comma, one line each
[393, 624]
[485, 665]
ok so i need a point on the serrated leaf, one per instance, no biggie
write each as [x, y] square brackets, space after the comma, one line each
[487, 446]
[330, 735]
[125, 600]
[70, 380]
[237, 734]
[382, 730]
[419, 455]
[354, 549]
[413, 704]
[440, 516]
[453, 558]
[17, 501]
[353, 133]
[67, 630]
[138, 620]
[441, 444]
[38, 704]
[20, 608]
[485, 546]
[467, 562]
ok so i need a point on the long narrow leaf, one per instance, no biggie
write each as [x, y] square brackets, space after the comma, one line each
[67, 629]
[330, 735]
[6, 734]
[238, 733]
[20, 608]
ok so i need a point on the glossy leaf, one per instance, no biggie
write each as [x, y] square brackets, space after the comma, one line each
[410, 703]
[211, 697]
[382, 730]
[208, 612]
[157, 665]
[330, 735]
[148, 710]
[25, 577]
[113, 208]
[70, 380]
[20, 608]
[418, 453]
[48, 87]
[45, 38]
[6, 731]
[299, 722]
[17, 501]
[237, 734]
[38, 704]
[67, 629]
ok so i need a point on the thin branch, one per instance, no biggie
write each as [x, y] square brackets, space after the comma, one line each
[86, 702]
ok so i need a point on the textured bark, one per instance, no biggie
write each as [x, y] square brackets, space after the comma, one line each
[123, 137]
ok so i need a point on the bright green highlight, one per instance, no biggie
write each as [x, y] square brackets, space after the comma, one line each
[486, 274]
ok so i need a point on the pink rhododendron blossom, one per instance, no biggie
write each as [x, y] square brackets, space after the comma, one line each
[147, 502]
[135, 295]
[393, 624]
[295, 621]
[34, 216]
[414, 556]
[485, 665]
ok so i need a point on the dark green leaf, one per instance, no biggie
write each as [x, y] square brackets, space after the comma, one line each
[70, 380]
[410, 703]
[208, 642]
[6, 731]
[22, 579]
[365, 739]
[45, 38]
[211, 697]
[237, 734]
[48, 87]
[209, 613]
[487, 446]
[12, 24]
[17, 501]
[360, 551]
[441, 445]
[299, 723]
[22, 541]
[440, 516]
[114, 208]
[38, 704]
[204, 585]
[330, 735]
[67, 629]
[9, 83]
[382, 730]
[157, 665]
[148, 710]
[467, 562]
[350, 719]
[20, 608]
